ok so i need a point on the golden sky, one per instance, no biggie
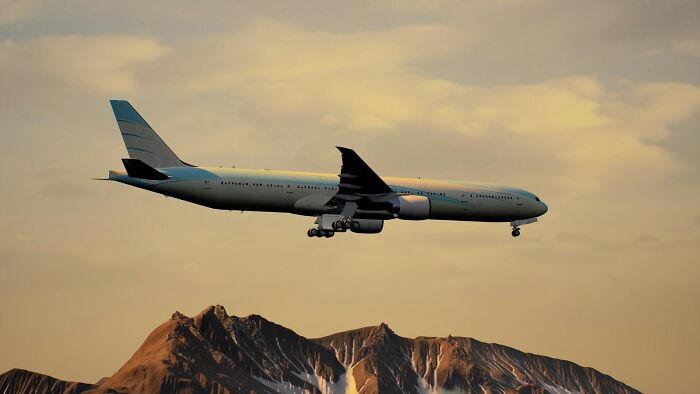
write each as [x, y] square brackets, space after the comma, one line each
[594, 106]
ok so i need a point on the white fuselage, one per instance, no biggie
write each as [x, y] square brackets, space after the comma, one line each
[306, 193]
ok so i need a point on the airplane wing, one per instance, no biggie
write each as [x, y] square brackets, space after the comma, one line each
[359, 184]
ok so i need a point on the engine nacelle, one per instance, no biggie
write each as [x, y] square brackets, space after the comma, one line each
[411, 207]
[368, 226]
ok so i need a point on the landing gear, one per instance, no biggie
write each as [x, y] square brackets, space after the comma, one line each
[329, 224]
[313, 232]
[345, 224]
[517, 223]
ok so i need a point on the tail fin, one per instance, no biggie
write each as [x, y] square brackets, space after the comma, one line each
[141, 140]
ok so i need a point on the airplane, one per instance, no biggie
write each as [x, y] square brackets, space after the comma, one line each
[356, 199]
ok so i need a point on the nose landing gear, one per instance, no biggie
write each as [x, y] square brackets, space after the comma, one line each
[517, 223]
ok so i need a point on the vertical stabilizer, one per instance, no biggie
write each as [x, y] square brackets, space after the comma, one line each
[141, 140]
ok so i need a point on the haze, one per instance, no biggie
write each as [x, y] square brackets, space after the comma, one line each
[595, 106]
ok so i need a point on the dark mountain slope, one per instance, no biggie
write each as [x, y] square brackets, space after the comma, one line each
[217, 353]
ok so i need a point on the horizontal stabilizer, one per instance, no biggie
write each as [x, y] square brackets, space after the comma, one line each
[138, 169]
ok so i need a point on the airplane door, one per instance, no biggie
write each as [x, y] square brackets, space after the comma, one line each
[211, 191]
[467, 202]
[291, 195]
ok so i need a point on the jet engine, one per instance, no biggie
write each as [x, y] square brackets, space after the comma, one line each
[367, 226]
[411, 207]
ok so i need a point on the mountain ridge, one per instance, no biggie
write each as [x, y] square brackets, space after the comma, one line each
[213, 352]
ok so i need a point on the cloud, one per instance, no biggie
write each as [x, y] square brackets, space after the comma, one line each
[12, 11]
[57, 65]
[289, 84]
[687, 47]
[596, 132]
[463, 91]
[682, 48]
[366, 85]
[290, 52]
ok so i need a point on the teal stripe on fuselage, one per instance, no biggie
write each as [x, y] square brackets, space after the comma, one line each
[426, 193]
[187, 173]
[332, 180]
[321, 180]
[302, 191]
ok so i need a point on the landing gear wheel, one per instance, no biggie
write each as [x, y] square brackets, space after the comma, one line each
[338, 225]
[320, 233]
[347, 224]
[355, 225]
[312, 232]
[330, 234]
[515, 232]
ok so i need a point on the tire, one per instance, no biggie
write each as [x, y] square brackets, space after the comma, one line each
[515, 233]
[355, 225]
[329, 234]
[313, 232]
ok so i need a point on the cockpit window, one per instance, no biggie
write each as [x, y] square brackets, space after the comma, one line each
[537, 199]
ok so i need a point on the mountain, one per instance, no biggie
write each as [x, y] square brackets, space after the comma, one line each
[217, 353]
[22, 381]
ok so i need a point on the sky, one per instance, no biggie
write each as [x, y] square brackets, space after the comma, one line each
[594, 106]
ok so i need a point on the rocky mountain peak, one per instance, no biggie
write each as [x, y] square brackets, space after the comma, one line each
[178, 316]
[383, 329]
[215, 311]
[215, 352]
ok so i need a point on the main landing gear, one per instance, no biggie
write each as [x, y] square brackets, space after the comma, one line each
[336, 226]
[515, 232]
[345, 224]
[320, 233]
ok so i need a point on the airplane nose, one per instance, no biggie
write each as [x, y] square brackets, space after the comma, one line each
[543, 208]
